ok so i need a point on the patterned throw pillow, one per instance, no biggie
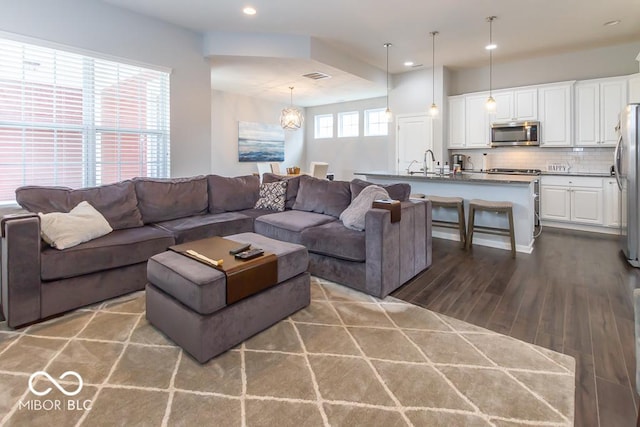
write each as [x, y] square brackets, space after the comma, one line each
[272, 196]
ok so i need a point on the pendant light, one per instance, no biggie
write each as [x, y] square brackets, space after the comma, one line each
[491, 103]
[434, 108]
[388, 115]
[291, 118]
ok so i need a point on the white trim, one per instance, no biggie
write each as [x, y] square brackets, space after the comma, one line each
[581, 227]
[479, 241]
[72, 49]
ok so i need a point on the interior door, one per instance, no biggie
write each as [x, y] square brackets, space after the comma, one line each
[414, 137]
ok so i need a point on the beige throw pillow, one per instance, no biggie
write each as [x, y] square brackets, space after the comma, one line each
[81, 224]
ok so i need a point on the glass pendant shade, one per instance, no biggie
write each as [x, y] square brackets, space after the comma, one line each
[388, 115]
[490, 104]
[433, 110]
[291, 118]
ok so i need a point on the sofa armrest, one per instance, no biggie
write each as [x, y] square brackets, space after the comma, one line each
[382, 242]
[20, 269]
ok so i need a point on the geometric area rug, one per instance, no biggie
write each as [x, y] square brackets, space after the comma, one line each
[346, 360]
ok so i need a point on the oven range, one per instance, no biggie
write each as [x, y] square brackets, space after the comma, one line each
[536, 185]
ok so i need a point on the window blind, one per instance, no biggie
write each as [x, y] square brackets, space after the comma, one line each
[77, 121]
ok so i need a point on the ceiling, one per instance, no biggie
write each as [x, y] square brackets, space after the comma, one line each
[358, 30]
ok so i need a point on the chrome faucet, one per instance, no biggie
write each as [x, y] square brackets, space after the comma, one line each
[409, 167]
[424, 162]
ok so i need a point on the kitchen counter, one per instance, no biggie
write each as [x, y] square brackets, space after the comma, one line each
[462, 177]
[517, 189]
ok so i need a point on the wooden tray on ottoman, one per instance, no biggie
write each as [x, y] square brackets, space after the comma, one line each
[244, 277]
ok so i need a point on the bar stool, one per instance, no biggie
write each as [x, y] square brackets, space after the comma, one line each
[449, 203]
[490, 206]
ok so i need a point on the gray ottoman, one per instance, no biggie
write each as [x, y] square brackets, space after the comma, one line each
[186, 299]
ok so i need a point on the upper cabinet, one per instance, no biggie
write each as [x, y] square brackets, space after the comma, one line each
[597, 106]
[554, 113]
[516, 105]
[457, 120]
[477, 121]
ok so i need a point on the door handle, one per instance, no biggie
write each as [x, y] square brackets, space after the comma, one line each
[616, 160]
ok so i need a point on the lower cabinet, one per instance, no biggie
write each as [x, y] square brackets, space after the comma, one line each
[572, 199]
[611, 196]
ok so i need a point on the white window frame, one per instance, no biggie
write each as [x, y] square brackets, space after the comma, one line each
[154, 130]
[321, 131]
[347, 129]
[378, 127]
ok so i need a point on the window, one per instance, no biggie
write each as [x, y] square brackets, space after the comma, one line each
[348, 124]
[78, 121]
[323, 126]
[375, 122]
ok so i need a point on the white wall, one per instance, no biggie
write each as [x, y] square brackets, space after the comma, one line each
[608, 61]
[227, 110]
[99, 27]
[347, 155]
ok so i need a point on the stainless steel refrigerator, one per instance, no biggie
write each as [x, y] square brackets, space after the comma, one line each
[627, 170]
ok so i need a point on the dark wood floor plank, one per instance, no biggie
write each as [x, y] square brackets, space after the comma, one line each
[615, 404]
[586, 311]
[607, 355]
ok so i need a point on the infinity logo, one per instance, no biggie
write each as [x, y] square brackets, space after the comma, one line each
[55, 383]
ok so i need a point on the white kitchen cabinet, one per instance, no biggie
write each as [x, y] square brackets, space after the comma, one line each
[597, 108]
[516, 105]
[457, 121]
[572, 199]
[477, 121]
[611, 202]
[554, 114]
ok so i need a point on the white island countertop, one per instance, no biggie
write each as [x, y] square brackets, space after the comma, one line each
[517, 189]
[460, 178]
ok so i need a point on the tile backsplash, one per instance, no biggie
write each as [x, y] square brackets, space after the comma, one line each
[547, 159]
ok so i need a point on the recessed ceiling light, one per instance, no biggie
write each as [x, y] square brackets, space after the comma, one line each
[249, 10]
[408, 64]
[612, 23]
[491, 46]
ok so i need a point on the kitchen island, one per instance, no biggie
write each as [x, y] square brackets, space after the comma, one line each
[517, 189]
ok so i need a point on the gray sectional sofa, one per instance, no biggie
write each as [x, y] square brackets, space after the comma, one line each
[149, 215]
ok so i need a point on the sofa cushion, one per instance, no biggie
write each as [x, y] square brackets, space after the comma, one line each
[293, 184]
[399, 191]
[287, 226]
[335, 240]
[232, 194]
[254, 213]
[272, 196]
[202, 226]
[81, 224]
[116, 249]
[166, 199]
[353, 216]
[117, 202]
[322, 196]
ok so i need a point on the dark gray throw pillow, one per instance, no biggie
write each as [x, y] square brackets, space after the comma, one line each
[272, 196]
[399, 191]
[293, 184]
[233, 194]
[322, 196]
[117, 202]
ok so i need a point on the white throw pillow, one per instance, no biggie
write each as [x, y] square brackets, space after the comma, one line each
[353, 216]
[81, 224]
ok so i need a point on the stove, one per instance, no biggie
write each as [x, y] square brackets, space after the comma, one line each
[536, 188]
[508, 171]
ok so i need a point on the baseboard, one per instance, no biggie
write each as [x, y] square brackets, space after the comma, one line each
[483, 242]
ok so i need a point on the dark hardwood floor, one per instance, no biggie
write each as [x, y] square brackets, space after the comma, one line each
[573, 294]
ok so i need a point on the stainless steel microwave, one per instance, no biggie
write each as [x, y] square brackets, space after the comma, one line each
[515, 133]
